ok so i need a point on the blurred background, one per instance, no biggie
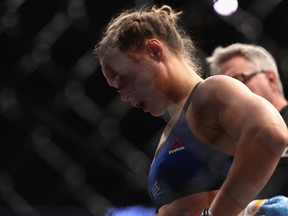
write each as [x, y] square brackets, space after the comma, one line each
[68, 145]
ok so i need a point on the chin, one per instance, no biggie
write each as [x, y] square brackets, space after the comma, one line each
[156, 114]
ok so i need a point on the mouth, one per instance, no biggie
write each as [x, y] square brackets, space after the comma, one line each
[140, 104]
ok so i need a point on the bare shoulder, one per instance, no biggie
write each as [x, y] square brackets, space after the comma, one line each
[231, 97]
[226, 95]
[219, 89]
[220, 84]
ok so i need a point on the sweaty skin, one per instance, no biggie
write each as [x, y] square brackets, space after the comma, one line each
[154, 71]
[224, 114]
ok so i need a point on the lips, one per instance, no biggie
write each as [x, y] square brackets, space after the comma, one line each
[140, 104]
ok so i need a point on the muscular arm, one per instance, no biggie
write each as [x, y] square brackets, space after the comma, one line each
[258, 135]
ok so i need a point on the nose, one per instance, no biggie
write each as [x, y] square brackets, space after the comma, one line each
[115, 83]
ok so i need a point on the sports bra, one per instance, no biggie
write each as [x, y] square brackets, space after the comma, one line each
[184, 165]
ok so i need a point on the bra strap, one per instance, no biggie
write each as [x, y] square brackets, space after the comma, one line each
[189, 99]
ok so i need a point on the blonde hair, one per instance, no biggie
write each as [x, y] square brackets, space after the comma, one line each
[257, 55]
[129, 30]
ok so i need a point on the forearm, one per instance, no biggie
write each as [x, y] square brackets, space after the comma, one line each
[251, 169]
[232, 199]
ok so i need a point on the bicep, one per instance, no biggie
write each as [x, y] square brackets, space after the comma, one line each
[244, 115]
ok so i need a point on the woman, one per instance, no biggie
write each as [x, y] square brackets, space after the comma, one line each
[150, 60]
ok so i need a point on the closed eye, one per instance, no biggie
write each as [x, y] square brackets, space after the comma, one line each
[122, 80]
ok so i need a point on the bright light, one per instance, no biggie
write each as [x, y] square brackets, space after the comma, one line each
[225, 7]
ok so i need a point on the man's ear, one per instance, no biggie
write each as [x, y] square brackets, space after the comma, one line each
[272, 79]
[155, 49]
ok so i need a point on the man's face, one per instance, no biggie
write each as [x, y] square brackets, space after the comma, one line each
[243, 70]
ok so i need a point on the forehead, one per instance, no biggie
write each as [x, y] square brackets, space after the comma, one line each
[113, 57]
[236, 64]
[115, 60]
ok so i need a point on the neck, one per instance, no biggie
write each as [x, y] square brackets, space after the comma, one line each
[182, 79]
[176, 106]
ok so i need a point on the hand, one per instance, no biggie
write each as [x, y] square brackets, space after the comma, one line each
[275, 206]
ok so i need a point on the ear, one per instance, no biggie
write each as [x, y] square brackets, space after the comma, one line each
[155, 49]
[272, 79]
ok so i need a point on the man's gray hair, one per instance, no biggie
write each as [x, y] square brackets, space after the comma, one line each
[257, 55]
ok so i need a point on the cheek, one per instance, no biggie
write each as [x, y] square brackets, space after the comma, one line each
[254, 88]
[145, 79]
[257, 87]
[144, 83]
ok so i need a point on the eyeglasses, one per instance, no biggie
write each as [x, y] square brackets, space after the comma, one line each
[246, 76]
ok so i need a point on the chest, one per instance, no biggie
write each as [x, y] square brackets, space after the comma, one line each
[181, 150]
[184, 160]
[203, 132]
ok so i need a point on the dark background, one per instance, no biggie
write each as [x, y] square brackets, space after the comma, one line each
[68, 144]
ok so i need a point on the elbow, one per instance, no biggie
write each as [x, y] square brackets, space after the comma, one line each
[280, 140]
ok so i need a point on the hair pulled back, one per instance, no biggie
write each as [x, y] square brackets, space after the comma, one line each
[130, 30]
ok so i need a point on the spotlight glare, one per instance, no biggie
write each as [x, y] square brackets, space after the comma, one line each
[225, 7]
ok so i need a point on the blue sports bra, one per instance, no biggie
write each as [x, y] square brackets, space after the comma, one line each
[184, 165]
